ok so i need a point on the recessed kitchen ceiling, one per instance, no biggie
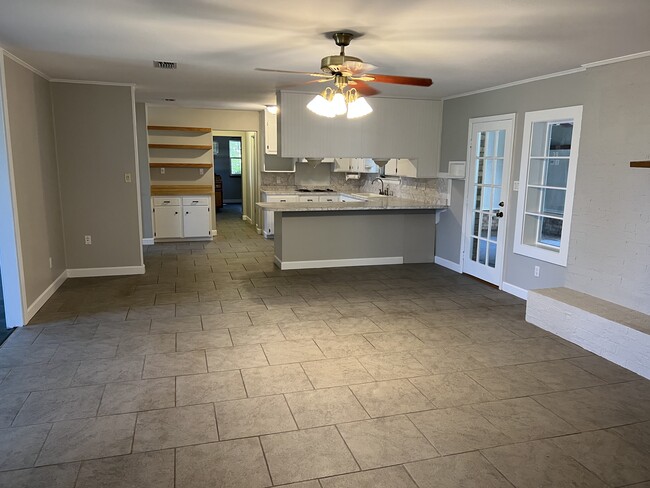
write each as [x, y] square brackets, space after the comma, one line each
[463, 45]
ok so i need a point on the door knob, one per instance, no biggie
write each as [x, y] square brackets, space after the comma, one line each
[501, 204]
[499, 213]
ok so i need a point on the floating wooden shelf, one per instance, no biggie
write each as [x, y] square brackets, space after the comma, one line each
[639, 164]
[199, 147]
[179, 129]
[180, 165]
[182, 190]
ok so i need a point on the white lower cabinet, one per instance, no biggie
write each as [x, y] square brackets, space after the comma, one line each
[179, 218]
[269, 215]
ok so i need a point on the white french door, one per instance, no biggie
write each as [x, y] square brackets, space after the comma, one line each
[489, 154]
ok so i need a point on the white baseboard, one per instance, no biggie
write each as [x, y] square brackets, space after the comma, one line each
[246, 218]
[448, 264]
[121, 270]
[267, 235]
[45, 296]
[214, 232]
[338, 263]
[258, 230]
[514, 290]
[147, 241]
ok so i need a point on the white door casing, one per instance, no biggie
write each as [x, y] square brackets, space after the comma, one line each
[489, 157]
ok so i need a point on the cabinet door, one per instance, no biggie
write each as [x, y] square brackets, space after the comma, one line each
[270, 133]
[167, 222]
[328, 198]
[269, 223]
[308, 198]
[406, 167]
[196, 221]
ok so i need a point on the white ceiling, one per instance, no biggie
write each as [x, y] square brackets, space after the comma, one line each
[463, 45]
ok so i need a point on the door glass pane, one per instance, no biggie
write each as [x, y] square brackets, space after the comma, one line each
[501, 145]
[498, 172]
[550, 232]
[480, 145]
[497, 198]
[485, 223]
[534, 200]
[553, 201]
[560, 138]
[482, 251]
[479, 171]
[492, 254]
[539, 141]
[477, 198]
[487, 199]
[494, 229]
[474, 249]
[488, 178]
[536, 171]
[477, 222]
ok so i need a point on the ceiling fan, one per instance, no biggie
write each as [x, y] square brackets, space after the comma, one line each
[349, 71]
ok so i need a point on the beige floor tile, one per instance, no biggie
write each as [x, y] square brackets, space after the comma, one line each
[86, 349]
[38, 377]
[209, 387]
[392, 366]
[19, 446]
[238, 357]
[173, 427]
[359, 309]
[10, 404]
[508, 382]
[560, 375]
[147, 344]
[253, 417]
[272, 380]
[99, 371]
[174, 363]
[607, 455]
[320, 312]
[540, 463]
[57, 476]
[386, 441]
[325, 407]
[75, 440]
[392, 477]
[485, 332]
[193, 341]
[307, 454]
[62, 404]
[244, 305]
[130, 328]
[395, 341]
[336, 372]
[451, 389]
[292, 351]
[171, 325]
[447, 360]
[393, 397]
[308, 329]
[136, 396]
[59, 334]
[523, 419]
[279, 316]
[274, 303]
[181, 297]
[344, 346]
[256, 335]
[225, 320]
[603, 369]
[142, 470]
[461, 470]
[395, 322]
[636, 434]
[148, 312]
[229, 464]
[456, 430]
[352, 325]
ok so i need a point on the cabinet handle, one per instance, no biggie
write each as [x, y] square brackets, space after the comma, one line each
[187, 213]
[195, 201]
[175, 213]
[166, 201]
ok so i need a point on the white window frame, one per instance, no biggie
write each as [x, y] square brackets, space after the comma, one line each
[541, 252]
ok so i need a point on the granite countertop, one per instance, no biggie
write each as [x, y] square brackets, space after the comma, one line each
[371, 203]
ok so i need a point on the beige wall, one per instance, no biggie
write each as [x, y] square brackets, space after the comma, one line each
[218, 120]
[29, 113]
[95, 133]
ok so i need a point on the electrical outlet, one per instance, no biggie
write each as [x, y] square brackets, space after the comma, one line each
[536, 272]
[88, 240]
[51, 263]
[127, 177]
[201, 171]
[515, 186]
[162, 171]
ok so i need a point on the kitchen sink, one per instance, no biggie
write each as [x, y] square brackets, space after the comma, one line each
[370, 195]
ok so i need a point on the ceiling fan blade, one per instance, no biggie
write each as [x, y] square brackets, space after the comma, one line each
[357, 67]
[364, 88]
[318, 75]
[398, 80]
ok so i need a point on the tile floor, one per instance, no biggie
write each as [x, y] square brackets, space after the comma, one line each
[217, 369]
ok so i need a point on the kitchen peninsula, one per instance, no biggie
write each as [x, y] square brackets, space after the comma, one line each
[369, 230]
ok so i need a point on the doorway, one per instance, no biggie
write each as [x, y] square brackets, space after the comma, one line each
[227, 155]
[489, 156]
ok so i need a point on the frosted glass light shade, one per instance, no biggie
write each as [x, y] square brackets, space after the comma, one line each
[338, 104]
[321, 106]
[359, 108]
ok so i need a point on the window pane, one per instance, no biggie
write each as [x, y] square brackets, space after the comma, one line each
[235, 166]
[557, 172]
[235, 149]
[534, 200]
[538, 140]
[536, 171]
[553, 202]
[561, 136]
[550, 232]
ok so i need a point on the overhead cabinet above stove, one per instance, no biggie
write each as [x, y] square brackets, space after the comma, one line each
[397, 128]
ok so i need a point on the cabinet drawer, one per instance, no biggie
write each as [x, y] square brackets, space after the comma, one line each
[196, 201]
[166, 201]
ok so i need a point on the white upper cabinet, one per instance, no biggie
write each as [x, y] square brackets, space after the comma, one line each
[401, 167]
[397, 128]
[270, 133]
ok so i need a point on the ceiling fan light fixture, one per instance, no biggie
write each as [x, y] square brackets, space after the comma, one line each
[321, 104]
[339, 107]
[359, 107]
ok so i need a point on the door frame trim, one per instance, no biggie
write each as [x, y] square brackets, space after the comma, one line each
[463, 236]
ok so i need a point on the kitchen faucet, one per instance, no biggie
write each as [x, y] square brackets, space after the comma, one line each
[381, 192]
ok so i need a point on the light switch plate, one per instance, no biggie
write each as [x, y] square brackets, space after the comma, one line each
[162, 171]
[515, 186]
[127, 177]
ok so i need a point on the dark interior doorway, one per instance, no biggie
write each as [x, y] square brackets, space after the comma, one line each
[228, 165]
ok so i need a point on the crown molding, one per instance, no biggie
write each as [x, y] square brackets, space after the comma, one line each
[24, 64]
[90, 82]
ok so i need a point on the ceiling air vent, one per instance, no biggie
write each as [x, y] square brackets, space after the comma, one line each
[164, 64]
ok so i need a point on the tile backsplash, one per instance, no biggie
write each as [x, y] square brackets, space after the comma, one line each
[433, 190]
